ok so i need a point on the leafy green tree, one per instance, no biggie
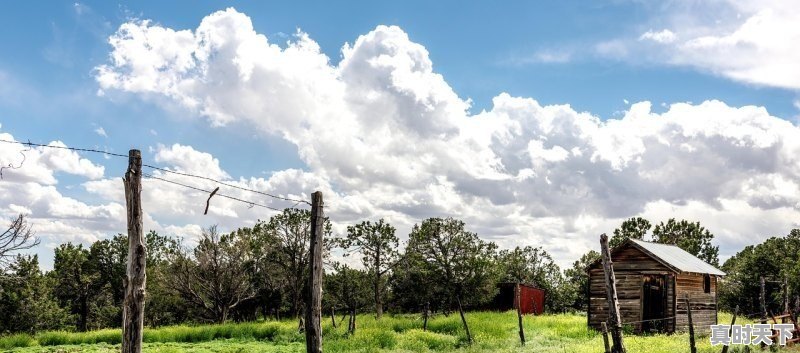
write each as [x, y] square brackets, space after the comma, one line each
[163, 305]
[289, 235]
[347, 288]
[457, 259]
[76, 281]
[413, 289]
[689, 236]
[378, 246]
[108, 259]
[579, 277]
[775, 259]
[26, 299]
[632, 228]
[264, 274]
[535, 266]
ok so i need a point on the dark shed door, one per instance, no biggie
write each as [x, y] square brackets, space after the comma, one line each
[654, 303]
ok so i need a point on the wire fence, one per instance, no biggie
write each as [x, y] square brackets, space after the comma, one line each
[165, 170]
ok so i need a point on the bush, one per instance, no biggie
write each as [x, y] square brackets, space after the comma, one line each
[17, 340]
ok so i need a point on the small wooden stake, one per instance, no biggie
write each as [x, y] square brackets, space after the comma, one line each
[692, 347]
[351, 325]
[425, 316]
[733, 321]
[762, 299]
[333, 316]
[313, 305]
[519, 314]
[763, 302]
[136, 278]
[604, 329]
[611, 293]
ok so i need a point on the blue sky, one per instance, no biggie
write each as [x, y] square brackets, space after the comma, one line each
[598, 57]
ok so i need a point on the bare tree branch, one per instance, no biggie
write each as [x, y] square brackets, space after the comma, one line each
[19, 236]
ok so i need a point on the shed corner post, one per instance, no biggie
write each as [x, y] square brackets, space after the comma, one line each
[611, 292]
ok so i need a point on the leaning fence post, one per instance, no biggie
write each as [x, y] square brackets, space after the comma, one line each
[611, 294]
[519, 314]
[463, 319]
[136, 277]
[314, 296]
[692, 347]
[730, 330]
[604, 329]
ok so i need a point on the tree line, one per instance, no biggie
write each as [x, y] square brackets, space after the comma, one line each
[260, 272]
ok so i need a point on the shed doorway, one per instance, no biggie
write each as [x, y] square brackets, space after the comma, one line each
[654, 303]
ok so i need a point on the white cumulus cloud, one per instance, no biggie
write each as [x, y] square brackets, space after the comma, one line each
[398, 142]
[663, 36]
[753, 42]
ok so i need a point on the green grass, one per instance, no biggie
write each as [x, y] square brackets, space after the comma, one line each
[492, 332]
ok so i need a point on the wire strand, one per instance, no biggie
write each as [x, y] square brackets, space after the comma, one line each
[29, 144]
[649, 320]
[251, 203]
[224, 183]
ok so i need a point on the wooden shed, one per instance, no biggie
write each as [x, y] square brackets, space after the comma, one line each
[652, 280]
[531, 298]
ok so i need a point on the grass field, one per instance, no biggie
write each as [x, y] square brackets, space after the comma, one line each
[493, 332]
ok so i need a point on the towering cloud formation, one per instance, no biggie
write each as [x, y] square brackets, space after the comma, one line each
[398, 142]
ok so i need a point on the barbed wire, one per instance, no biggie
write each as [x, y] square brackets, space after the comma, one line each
[251, 203]
[11, 164]
[165, 170]
[649, 320]
[224, 183]
[31, 144]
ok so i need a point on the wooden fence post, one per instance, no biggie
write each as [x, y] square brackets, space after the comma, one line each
[604, 329]
[786, 296]
[692, 347]
[730, 330]
[463, 319]
[333, 316]
[425, 317]
[519, 314]
[136, 277]
[314, 295]
[351, 325]
[611, 293]
[762, 298]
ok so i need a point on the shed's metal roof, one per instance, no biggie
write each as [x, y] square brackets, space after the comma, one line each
[677, 257]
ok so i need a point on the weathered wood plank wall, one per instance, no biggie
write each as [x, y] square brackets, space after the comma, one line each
[630, 265]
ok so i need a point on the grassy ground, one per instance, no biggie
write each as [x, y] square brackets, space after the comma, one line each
[493, 332]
